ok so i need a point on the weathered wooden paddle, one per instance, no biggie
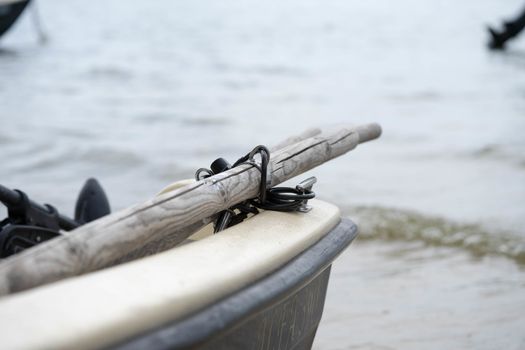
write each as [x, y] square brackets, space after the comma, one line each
[171, 217]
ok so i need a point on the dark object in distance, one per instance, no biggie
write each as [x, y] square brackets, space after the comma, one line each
[510, 30]
[9, 14]
[92, 202]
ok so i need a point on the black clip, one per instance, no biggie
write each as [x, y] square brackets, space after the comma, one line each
[27, 225]
[16, 238]
[224, 218]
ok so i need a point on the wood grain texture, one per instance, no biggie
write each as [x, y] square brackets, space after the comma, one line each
[172, 216]
[294, 139]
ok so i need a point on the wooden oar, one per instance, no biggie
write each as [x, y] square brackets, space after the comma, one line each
[171, 217]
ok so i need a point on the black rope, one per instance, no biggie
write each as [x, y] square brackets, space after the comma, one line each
[284, 199]
[263, 168]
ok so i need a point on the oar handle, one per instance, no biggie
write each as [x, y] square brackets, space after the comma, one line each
[368, 132]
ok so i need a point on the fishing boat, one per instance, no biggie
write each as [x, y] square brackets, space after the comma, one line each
[10, 10]
[259, 283]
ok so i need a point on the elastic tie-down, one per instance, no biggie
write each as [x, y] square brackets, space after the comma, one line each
[285, 199]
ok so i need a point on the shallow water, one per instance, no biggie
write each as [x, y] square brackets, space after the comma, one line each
[422, 298]
[139, 95]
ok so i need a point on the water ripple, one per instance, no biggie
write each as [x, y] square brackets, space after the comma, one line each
[395, 224]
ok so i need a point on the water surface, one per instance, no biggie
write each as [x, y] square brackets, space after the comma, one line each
[140, 94]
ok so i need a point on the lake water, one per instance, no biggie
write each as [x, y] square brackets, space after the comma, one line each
[139, 94]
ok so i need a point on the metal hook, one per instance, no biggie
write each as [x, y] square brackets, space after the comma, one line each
[305, 187]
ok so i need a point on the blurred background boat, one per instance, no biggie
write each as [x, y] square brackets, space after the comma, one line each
[10, 10]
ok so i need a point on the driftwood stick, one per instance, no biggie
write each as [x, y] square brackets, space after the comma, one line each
[173, 239]
[294, 139]
[152, 246]
[105, 241]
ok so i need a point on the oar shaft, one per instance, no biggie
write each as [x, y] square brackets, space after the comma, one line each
[107, 241]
